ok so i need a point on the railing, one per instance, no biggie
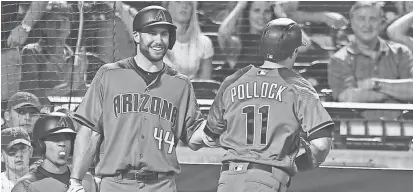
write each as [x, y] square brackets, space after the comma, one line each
[352, 130]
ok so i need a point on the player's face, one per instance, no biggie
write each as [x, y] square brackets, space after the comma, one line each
[24, 117]
[366, 23]
[260, 14]
[17, 157]
[181, 11]
[58, 148]
[154, 42]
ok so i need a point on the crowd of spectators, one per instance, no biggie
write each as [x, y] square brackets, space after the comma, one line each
[41, 52]
[42, 57]
[369, 68]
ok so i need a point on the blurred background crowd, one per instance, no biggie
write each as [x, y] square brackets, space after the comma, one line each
[53, 48]
[358, 52]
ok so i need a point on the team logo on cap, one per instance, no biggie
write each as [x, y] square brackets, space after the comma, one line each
[238, 168]
[14, 132]
[160, 16]
[62, 123]
[262, 72]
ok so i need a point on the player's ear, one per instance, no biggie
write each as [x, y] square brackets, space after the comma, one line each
[136, 37]
[2, 158]
[6, 116]
[31, 151]
[294, 54]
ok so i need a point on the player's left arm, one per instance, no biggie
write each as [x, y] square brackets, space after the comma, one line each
[89, 183]
[318, 126]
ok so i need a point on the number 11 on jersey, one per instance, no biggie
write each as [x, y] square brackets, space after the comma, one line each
[251, 124]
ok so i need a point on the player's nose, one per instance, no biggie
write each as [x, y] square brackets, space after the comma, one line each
[157, 38]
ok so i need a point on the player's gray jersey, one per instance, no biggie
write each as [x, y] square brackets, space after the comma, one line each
[259, 114]
[141, 124]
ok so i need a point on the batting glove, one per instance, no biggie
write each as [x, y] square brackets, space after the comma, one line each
[75, 186]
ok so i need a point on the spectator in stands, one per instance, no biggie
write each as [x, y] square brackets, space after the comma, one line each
[193, 51]
[107, 34]
[393, 11]
[331, 19]
[17, 21]
[370, 69]
[404, 7]
[20, 33]
[216, 11]
[16, 151]
[49, 67]
[401, 30]
[23, 110]
[240, 32]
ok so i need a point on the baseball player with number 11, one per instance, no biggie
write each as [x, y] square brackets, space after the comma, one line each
[258, 114]
[135, 112]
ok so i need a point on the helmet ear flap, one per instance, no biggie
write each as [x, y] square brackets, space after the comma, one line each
[39, 148]
[172, 38]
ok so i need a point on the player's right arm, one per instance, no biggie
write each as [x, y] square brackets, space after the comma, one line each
[89, 115]
[86, 145]
[216, 124]
[318, 126]
[210, 130]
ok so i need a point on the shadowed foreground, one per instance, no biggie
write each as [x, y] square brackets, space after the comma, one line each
[204, 178]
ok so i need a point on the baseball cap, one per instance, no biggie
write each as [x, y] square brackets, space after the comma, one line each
[24, 100]
[14, 135]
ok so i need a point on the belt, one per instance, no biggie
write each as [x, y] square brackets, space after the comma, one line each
[141, 176]
[279, 174]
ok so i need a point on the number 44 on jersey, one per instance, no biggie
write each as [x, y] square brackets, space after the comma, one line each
[164, 137]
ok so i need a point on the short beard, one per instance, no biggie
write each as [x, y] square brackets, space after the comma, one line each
[146, 53]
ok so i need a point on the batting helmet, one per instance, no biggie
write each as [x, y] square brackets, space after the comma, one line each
[155, 15]
[48, 125]
[279, 39]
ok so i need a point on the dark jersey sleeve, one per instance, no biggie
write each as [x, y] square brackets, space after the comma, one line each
[215, 122]
[193, 117]
[90, 110]
[23, 186]
[311, 113]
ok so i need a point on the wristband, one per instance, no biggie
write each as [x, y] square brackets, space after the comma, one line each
[75, 181]
[304, 162]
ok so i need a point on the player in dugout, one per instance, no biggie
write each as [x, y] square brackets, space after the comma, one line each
[53, 137]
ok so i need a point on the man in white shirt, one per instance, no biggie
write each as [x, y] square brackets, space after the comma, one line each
[16, 151]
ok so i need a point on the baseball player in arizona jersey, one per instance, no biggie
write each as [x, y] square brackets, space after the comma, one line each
[135, 112]
[258, 114]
